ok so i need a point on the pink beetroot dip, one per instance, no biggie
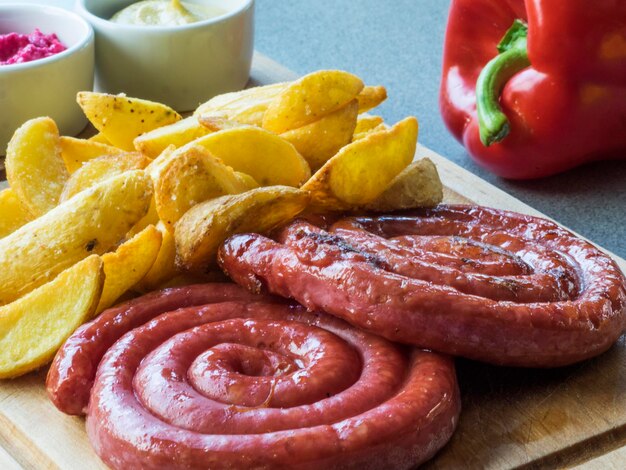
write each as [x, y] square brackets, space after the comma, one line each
[18, 48]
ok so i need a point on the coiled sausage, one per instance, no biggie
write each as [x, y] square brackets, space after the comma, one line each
[261, 383]
[482, 283]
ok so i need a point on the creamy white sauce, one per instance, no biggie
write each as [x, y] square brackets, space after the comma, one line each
[166, 13]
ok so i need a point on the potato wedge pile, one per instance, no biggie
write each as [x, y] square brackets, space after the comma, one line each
[148, 200]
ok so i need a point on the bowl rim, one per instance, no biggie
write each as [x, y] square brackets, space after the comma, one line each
[149, 29]
[43, 10]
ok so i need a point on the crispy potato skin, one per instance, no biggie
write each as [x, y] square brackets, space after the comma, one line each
[310, 98]
[245, 106]
[92, 222]
[199, 233]
[121, 119]
[319, 141]
[164, 266]
[128, 264]
[370, 97]
[418, 185]
[192, 175]
[101, 168]
[363, 169]
[266, 157]
[75, 151]
[179, 133]
[35, 168]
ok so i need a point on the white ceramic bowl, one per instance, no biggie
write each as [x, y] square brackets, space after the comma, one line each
[181, 66]
[48, 86]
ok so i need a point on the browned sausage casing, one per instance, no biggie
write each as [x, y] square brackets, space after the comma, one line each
[482, 283]
[255, 383]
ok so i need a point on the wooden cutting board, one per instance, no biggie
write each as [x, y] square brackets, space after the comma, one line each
[511, 418]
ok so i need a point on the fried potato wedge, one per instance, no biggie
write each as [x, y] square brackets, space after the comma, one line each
[100, 169]
[310, 98]
[151, 218]
[245, 106]
[322, 139]
[35, 169]
[418, 185]
[128, 264]
[99, 138]
[266, 157]
[13, 214]
[192, 176]
[370, 97]
[219, 122]
[153, 169]
[152, 143]
[154, 166]
[367, 122]
[164, 267]
[121, 119]
[75, 151]
[205, 226]
[248, 181]
[35, 326]
[379, 128]
[89, 223]
[316, 142]
[362, 170]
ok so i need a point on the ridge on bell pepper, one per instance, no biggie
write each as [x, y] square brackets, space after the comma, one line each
[539, 97]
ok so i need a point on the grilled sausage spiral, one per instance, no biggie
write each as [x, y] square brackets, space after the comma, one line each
[482, 283]
[242, 381]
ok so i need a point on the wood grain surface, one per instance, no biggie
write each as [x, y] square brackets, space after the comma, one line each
[512, 418]
[7, 462]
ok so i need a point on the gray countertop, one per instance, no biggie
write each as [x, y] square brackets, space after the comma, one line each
[399, 44]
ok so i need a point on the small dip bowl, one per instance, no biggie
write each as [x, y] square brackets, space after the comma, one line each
[48, 86]
[181, 66]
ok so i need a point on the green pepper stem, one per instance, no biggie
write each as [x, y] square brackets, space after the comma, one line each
[513, 57]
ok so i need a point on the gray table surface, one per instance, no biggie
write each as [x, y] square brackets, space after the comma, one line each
[399, 44]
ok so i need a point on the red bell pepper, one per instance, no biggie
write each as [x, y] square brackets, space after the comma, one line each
[536, 87]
